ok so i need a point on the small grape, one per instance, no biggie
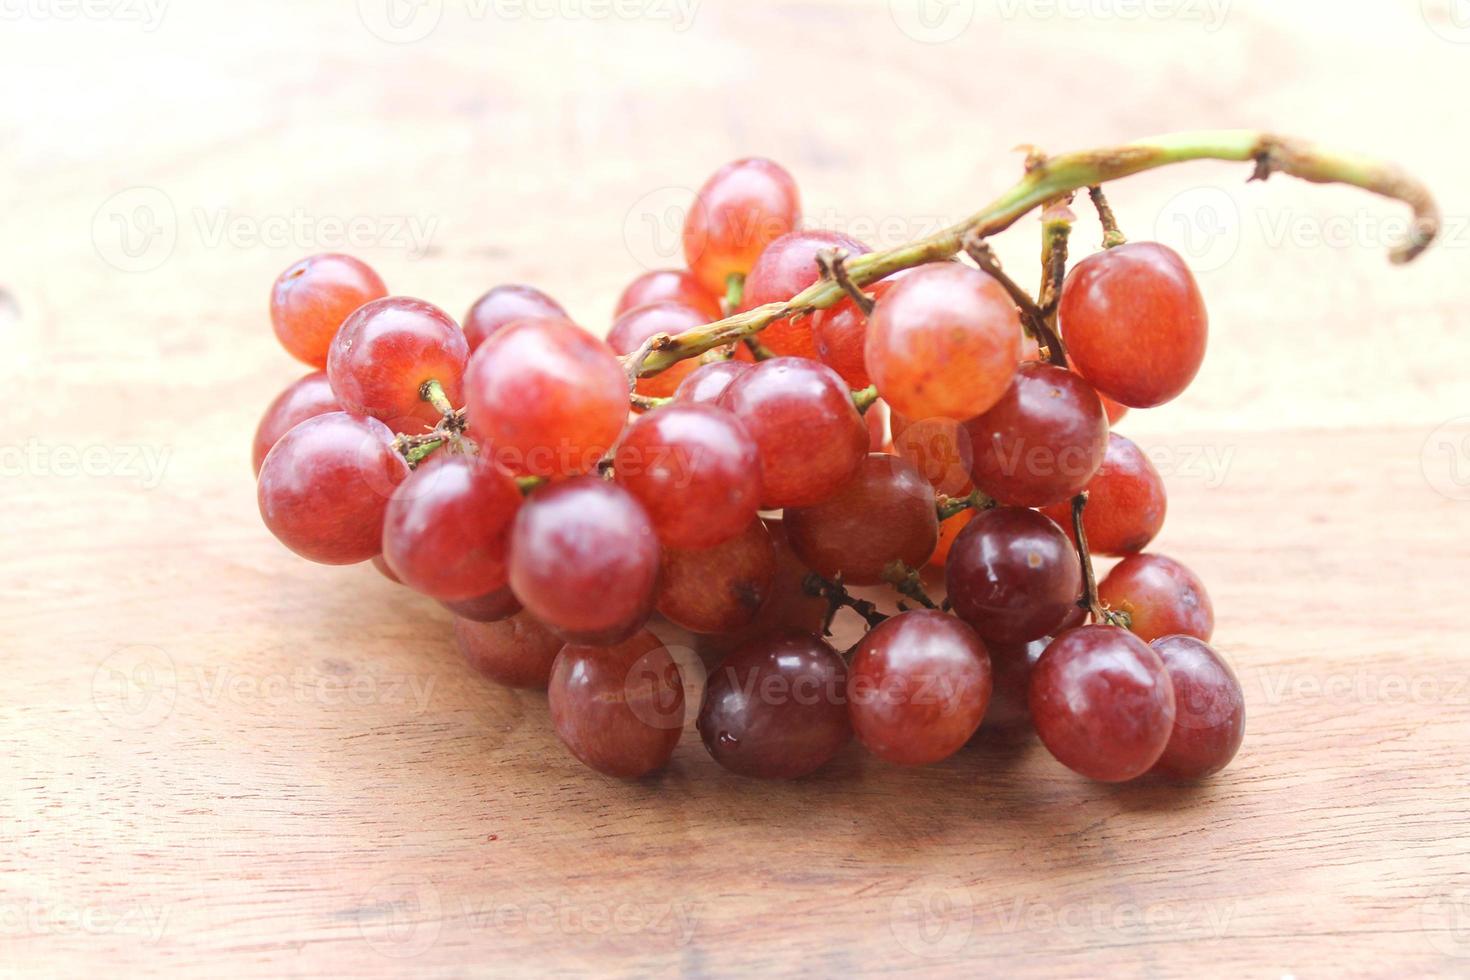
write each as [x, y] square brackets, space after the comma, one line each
[840, 334]
[1134, 323]
[1125, 502]
[742, 208]
[1042, 441]
[384, 354]
[1013, 575]
[777, 709]
[696, 471]
[719, 589]
[310, 300]
[810, 436]
[786, 267]
[515, 651]
[788, 607]
[918, 687]
[1102, 703]
[669, 286]
[1160, 595]
[883, 514]
[944, 342]
[503, 306]
[303, 399]
[324, 487]
[584, 560]
[1010, 669]
[619, 709]
[447, 529]
[549, 398]
[1209, 720]
[630, 330]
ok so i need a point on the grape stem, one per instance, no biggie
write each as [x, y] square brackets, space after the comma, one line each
[1049, 178]
[837, 597]
[1089, 600]
[1056, 229]
[833, 263]
[432, 392]
[864, 398]
[946, 507]
[1112, 237]
[908, 583]
[1031, 314]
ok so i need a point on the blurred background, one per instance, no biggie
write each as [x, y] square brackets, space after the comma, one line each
[161, 161]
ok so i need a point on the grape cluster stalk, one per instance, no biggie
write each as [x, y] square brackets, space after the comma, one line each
[789, 415]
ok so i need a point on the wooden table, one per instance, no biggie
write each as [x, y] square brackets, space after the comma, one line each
[219, 759]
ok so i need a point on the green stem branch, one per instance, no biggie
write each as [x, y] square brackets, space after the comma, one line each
[1048, 178]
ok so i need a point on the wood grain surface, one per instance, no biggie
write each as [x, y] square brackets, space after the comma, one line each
[216, 759]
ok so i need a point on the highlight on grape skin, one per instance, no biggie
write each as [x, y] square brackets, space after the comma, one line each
[792, 437]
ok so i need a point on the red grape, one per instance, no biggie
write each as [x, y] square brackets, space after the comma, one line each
[777, 709]
[719, 589]
[943, 342]
[1114, 410]
[670, 286]
[1160, 595]
[883, 514]
[707, 382]
[840, 335]
[788, 606]
[1013, 575]
[619, 709]
[584, 560]
[634, 327]
[448, 527]
[1042, 441]
[1125, 502]
[491, 607]
[385, 352]
[918, 687]
[324, 487]
[1102, 703]
[695, 470]
[304, 398]
[786, 267]
[504, 305]
[743, 207]
[1209, 719]
[1010, 669]
[1134, 323]
[516, 652]
[311, 299]
[810, 436]
[549, 398]
[939, 448]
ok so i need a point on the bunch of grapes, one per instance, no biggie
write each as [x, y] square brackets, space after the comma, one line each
[557, 492]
